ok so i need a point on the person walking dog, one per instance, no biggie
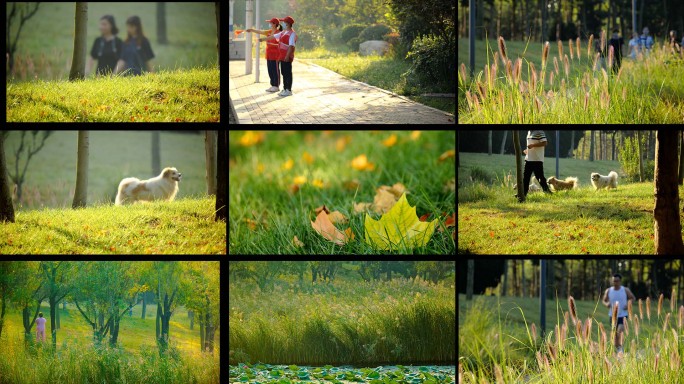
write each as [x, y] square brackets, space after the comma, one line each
[272, 53]
[286, 47]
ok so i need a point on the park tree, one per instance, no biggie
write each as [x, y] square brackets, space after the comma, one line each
[6, 283]
[6, 207]
[156, 153]
[166, 279]
[161, 23]
[81, 192]
[518, 166]
[57, 277]
[221, 176]
[668, 228]
[21, 14]
[31, 149]
[80, 44]
[28, 293]
[204, 299]
[210, 160]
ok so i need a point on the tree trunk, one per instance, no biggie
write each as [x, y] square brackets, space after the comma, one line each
[503, 142]
[470, 279]
[641, 157]
[514, 275]
[522, 277]
[584, 142]
[504, 284]
[591, 146]
[80, 36]
[217, 5]
[681, 158]
[209, 330]
[191, 316]
[210, 160]
[572, 144]
[53, 318]
[518, 165]
[202, 332]
[489, 142]
[221, 176]
[156, 153]
[158, 320]
[144, 306]
[161, 23]
[668, 228]
[59, 323]
[81, 193]
[612, 152]
[6, 207]
[114, 330]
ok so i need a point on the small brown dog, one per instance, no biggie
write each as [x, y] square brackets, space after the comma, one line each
[559, 185]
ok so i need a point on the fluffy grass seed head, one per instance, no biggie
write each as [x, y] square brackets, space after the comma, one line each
[520, 115]
[605, 75]
[629, 306]
[577, 43]
[611, 53]
[538, 104]
[596, 60]
[555, 64]
[591, 42]
[641, 309]
[613, 318]
[502, 50]
[498, 373]
[533, 330]
[573, 309]
[551, 79]
[586, 101]
[648, 308]
[571, 49]
[509, 70]
[660, 304]
[533, 76]
[636, 326]
[587, 330]
[566, 66]
[560, 48]
[680, 321]
[481, 90]
[673, 300]
[464, 74]
[666, 323]
[625, 324]
[603, 40]
[469, 97]
[517, 70]
[545, 54]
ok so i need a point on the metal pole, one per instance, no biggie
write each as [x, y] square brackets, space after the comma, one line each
[249, 19]
[557, 153]
[542, 297]
[634, 25]
[471, 30]
[230, 20]
[258, 47]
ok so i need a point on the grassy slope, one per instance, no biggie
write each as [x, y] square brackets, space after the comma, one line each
[412, 163]
[347, 321]
[382, 72]
[570, 222]
[51, 174]
[184, 226]
[179, 96]
[191, 31]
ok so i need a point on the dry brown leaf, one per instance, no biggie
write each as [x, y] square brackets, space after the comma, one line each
[447, 154]
[297, 243]
[349, 233]
[351, 185]
[325, 228]
[397, 189]
[337, 217]
[383, 201]
[321, 208]
[361, 207]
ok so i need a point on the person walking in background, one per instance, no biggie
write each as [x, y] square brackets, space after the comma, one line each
[106, 48]
[286, 40]
[616, 42]
[272, 53]
[620, 295]
[534, 160]
[646, 41]
[137, 53]
[673, 41]
[40, 327]
[634, 46]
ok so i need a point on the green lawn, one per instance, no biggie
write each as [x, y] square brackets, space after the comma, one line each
[114, 155]
[260, 187]
[176, 96]
[48, 36]
[382, 72]
[568, 222]
[184, 226]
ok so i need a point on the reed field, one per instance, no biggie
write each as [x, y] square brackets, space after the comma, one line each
[499, 342]
[568, 82]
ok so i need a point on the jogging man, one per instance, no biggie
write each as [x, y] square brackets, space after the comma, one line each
[621, 295]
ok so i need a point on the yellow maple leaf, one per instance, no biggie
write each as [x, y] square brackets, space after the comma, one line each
[360, 163]
[250, 138]
[317, 183]
[399, 228]
[299, 179]
[288, 164]
[390, 141]
[308, 158]
[447, 154]
[415, 135]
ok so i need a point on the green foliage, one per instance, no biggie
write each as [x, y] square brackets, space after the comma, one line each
[433, 61]
[374, 32]
[309, 36]
[481, 174]
[178, 96]
[354, 44]
[351, 31]
[427, 17]
[629, 158]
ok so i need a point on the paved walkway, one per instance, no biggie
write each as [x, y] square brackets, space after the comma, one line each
[321, 96]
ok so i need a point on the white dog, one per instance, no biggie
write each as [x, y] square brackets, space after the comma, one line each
[600, 181]
[164, 186]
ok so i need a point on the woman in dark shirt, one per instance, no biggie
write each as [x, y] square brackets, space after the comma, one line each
[106, 48]
[137, 53]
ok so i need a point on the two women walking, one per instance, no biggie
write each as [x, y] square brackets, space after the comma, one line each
[130, 57]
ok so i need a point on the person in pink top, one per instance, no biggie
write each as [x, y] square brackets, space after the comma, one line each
[40, 327]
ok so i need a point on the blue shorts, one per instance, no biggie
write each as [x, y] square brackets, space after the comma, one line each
[621, 320]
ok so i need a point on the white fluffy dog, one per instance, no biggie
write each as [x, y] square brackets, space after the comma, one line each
[600, 181]
[568, 183]
[164, 187]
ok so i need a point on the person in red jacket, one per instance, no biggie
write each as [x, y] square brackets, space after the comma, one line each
[286, 39]
[272, 53]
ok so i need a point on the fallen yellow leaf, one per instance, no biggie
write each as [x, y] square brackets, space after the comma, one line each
[361, 207]
[308, 158]
[342, 143]
[317, 183]
[349, 233]
[390, 141]
[447, 154]
[415, 135]
[288, 164]
[360, 163]
[250, 138]
[351, 185]
[299, 180]
[383, 201]
[337, 217]
[297, 243]
[325, 228]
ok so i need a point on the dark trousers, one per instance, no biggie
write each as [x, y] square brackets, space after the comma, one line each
[286, 70]
[273, 72]
[538, 168]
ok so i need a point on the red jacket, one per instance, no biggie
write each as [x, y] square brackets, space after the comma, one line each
[272, 52]
[284, 41]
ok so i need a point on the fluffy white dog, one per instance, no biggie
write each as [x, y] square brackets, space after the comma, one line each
[164, 187]
[600, 181]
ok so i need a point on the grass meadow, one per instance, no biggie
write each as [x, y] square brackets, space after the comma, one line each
[191, 95]
[569, 87]
[567, 222]
[267, 211]
[347, 321]
[78, 360]
[499, 343]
